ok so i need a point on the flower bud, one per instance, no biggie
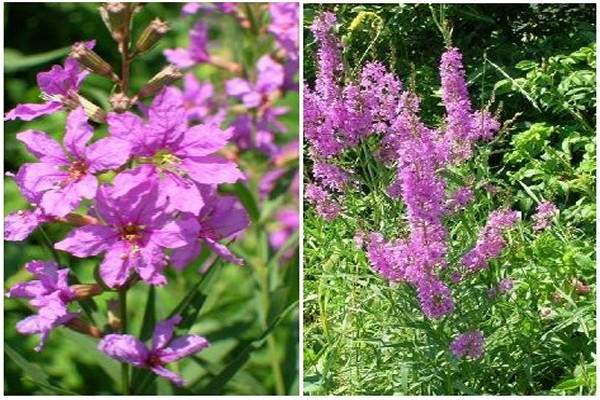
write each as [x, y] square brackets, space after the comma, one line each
[83, 291]
[93, 112]
[78, 219]
[116, 17]
[90, 60]
[114, 319]
[120, 102]
[151, 35]
[168, 75]
[83, 327]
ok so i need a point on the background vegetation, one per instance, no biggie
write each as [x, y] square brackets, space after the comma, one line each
[535, 65]
[249, 314]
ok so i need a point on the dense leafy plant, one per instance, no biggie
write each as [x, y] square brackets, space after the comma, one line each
[522, 304]
[159, 182]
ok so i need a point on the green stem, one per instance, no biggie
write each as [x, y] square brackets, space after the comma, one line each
[123, 315]
[49, 245]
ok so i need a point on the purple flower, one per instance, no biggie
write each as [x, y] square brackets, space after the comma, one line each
[165, 349]
[20, 224]
[490, 242]
[506, 285]
[284, 26]
[269, 80]
[468, 344]
[464, 126]
[221, 217]
[325, 205]
[200, 104]
[59, 88]
[460, 198]
[66, 178]
[197, 52]
[136, 230]
[193, 8]
[288, 223]
[259, 133]
[435, 297]
[50, 280]
[52, 313]
[178, 156]
[545, 211]
[331, 176]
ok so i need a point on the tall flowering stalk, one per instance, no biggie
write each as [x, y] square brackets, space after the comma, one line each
[149, 195]
[344, 111]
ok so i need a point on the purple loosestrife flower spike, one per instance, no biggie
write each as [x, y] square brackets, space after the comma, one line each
[197, 52]
[65, 178]
[468, 344]
[221, 217]
[177, 156]
[59, 88]
[327, 207]
[490, 242]
[165, 349]
[137, 229]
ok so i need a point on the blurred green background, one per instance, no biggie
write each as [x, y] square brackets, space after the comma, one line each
[254, 337]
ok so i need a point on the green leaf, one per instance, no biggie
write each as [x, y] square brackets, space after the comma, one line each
[247, 199]
[15, 61]
[241, 354]
[34, 372]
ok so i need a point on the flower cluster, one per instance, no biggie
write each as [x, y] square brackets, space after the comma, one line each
[468, 344]
[345, 111]
[147, 196]
[545, 211]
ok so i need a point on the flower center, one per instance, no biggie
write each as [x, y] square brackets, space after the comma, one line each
[165, 159]
[132, 233]
[154, 361]
[77, 170]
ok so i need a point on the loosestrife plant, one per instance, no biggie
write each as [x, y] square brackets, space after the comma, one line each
[344, 113]
[146, 197]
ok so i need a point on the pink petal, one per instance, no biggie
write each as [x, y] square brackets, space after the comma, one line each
[183, 193]
[61, 201]
[26, 290]
[78, 132]
[164, 332]
[167, 115]
[179, 57]
[149, 263]
[27, 112]
[88, 240]
[44, 147]
[182, 347]
[39, 177]
[212, 170]
[19, 225]
[126, 126]
[108, 153]
[237, 87]
[222, 251]
[181, 257]
[170, 375]
[174, 234]
[125, 348]
[202, 140]
[116, 266]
